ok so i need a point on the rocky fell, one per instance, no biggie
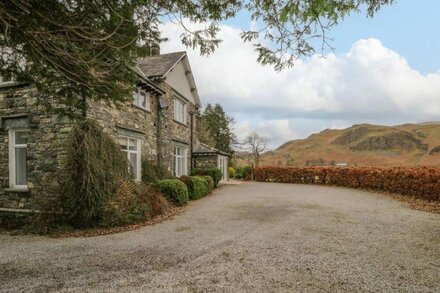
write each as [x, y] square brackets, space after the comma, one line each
[363, 145]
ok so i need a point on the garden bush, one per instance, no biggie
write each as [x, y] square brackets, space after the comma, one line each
[153, 173]
[246, 172]
[209, 182]
[215, 173]
[125, 206]
[197, 186]
[155, 199]
[94, 164]
[189, 185]
[420, 182]
[175, 190]
[231, 172]
[200, 187]
[238, 173]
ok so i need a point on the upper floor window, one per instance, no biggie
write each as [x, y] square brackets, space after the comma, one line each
[132, 147]
[141, 99]
[18, 158]
[179, 111]
[4, 79]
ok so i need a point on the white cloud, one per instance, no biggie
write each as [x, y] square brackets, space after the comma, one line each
[370, 83]
[277, 131]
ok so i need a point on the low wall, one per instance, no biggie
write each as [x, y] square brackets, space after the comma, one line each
[420, 182]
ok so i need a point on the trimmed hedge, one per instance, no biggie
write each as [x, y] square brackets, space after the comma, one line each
[197, 186]
[244, 172]
[175, 190]
[215, 173]
[200, 187]
[209, 182]
[421, 182]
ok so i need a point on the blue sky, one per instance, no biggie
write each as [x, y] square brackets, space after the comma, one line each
[383, 70]
[409, 27]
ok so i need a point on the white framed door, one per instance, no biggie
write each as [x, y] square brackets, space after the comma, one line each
[222, 164]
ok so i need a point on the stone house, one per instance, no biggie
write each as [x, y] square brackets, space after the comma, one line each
[205, 156]
[158, 125]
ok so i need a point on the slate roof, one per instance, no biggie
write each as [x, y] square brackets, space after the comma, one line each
[158, 66]
[204, 149]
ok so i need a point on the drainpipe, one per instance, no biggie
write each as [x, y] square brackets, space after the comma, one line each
[191, 146]
[158, 133]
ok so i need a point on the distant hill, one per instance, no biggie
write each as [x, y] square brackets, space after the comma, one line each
[363, 145]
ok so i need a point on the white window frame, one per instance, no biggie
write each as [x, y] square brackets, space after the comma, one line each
[180, 159]
[2, 81]
[137, 152]
[180, 110]
[137, 101]
[12, 167]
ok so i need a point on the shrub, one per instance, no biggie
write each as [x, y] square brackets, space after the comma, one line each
[197, 186]
[421, 182]
[209, 182]
[125, 206]
[238, 173]
[215, 174]
[94, 163]
[156, 200]
[153, 173]
[246, 172]
[231, 172]
[200, 187]
[189, 185]
[175, 190]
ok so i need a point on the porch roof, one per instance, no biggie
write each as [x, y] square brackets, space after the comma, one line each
[206, 150]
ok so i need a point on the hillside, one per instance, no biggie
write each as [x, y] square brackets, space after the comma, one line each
[363, 145]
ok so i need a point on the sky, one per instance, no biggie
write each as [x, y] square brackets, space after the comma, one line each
[382, 70]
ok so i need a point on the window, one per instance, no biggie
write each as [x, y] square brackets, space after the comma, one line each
[132, 148]
[4, 79]
[179, 111]
[141, 99]
[18, 158]
[180, 161]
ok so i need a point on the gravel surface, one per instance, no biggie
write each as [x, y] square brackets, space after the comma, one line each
[254, 237]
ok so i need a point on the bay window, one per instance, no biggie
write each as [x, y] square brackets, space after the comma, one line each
[18, 158]
[132, 148]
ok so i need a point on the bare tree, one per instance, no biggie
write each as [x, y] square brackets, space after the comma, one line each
[256, 145]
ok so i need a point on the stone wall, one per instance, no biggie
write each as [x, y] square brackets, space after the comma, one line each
[48, 134]
[130, 118]
[173, 132]
[206, 161]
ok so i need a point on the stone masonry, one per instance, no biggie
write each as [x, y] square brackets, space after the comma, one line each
[49, 134]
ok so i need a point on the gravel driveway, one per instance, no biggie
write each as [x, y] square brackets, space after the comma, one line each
[254, 237]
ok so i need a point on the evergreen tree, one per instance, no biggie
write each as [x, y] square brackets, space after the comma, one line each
[72, 49]
[219, 125]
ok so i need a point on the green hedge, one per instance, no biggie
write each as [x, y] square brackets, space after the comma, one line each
[200, 187]
[215, 174]
[209, 182]
[175, 190]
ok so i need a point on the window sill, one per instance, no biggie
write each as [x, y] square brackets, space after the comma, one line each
[178, 122]
[140, 108]
[14, 189]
